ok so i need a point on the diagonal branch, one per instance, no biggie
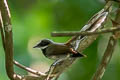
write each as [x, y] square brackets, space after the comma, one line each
[106, 59]
[28, 69]
[109, 51]
[82, 42]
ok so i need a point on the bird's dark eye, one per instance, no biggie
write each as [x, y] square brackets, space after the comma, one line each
[44, 43]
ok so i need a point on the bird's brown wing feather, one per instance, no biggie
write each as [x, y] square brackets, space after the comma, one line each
[58, 49]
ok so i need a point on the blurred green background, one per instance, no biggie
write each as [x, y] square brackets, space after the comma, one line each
[34, 20]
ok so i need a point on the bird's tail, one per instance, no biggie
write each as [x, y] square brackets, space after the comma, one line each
[78, 55]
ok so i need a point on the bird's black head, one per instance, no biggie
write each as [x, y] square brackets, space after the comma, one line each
[43, 43]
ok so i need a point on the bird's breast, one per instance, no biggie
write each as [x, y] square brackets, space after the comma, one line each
[44, 51]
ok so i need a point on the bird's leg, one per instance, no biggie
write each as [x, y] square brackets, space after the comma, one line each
[50, 72]
[52, 68]
[56, 78]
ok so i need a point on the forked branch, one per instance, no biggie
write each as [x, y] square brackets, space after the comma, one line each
[110, 49]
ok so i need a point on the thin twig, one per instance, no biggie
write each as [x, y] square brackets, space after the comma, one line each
[29, 69]
[95, 23]
[83, 33]
[116, 23]
[2, 33]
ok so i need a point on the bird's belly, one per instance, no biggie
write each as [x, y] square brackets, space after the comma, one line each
[56, 57]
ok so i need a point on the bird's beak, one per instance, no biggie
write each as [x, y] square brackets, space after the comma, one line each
[35, 46]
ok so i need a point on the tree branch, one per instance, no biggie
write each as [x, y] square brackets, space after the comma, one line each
[28, 69]
[8, 38]
[109, 51]
[106, 59]
[84, 33]
[116, 23]
[7, 41]
[2, 33]
[81, 42]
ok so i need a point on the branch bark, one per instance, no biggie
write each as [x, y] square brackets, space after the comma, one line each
[110, 49]
[7, 38]
[84, 33]
[7, 41]
[82, 42]
[29, 69]
[106, 59]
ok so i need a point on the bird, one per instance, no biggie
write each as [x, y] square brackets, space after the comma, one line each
[54, 50]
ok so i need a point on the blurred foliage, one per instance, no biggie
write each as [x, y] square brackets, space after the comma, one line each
[34, 20]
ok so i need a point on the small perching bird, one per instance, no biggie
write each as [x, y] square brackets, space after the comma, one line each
[57, 51]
